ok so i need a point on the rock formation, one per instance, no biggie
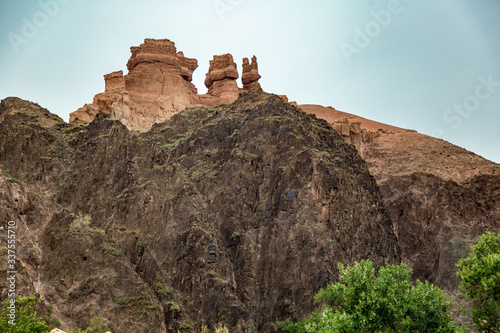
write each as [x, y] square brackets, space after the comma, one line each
[250, 75]
[114, 81]
[221, 81]
[158, 85]
[159, 80]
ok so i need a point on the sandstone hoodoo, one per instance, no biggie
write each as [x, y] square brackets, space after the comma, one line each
[250, 76]
[158, 85]
[221, 81]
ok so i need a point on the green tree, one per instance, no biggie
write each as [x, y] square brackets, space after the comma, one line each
[27, 319]
[363, 302]
[479, 276]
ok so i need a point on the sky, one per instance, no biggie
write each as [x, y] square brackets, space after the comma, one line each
[432, 66]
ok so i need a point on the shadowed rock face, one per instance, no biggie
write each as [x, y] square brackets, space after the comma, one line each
[236, 214]
[158, 85]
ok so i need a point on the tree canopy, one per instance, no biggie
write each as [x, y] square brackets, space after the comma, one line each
[389, 302]
[479, 276]
[27, 319]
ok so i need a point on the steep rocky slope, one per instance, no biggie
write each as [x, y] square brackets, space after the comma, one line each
[441, 197]
[235, 214]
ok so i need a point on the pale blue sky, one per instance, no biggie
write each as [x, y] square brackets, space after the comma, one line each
[432, 66]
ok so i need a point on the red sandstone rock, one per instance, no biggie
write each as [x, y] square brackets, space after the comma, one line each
[158, 85]
[221, 81]
[250, 74]
[221, 67]
[114, 81]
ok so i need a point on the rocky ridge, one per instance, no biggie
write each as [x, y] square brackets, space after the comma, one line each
[441, 197]
[235, 214]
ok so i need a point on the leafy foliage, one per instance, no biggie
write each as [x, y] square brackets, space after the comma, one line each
[362, 302]
[27, 319]
[479, 276]
[97, 325]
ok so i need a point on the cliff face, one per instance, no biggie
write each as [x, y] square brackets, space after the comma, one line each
[235, 214]
[441, 197]
[158, 85]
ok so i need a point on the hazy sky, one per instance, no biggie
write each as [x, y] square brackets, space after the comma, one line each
[432, 66]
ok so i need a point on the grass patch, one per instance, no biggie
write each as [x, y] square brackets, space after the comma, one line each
[143, 302]
[57, 118]
[235, 235]
[100, 231]
[235, 132]
[80, 222]
[173, 306]
[112, 251]
[185, 327]
[220, 281]
[14, 180]
[142, 243]
[124, 192]
[246, 156]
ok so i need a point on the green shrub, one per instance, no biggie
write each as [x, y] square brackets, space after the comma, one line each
[27, 319]
[363, 302]
[56, 322]
[98, 325]
[14, 180]
[184, 328]
[173, 306]
[142, 301]
[235, 235]
[57, 118]
[160, 289]
[479, 280]
[112, 251]
[80, 222]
